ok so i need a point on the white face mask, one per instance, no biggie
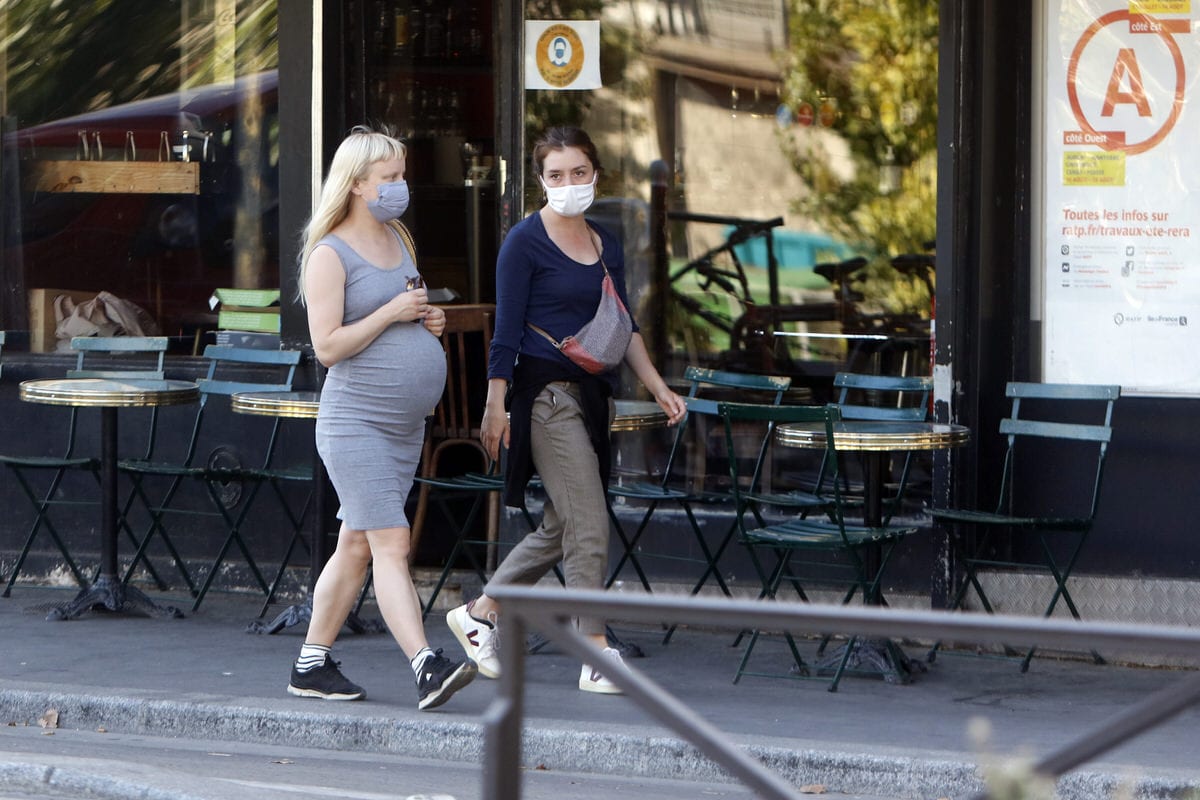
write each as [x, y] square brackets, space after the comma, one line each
[570, 200]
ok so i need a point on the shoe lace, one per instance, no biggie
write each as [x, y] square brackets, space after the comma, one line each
[490, 646]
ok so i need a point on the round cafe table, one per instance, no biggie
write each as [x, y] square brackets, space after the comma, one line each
[637, 415]
[874, 439]
[109, 395]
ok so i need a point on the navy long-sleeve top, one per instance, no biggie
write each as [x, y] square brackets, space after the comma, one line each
[536, 282]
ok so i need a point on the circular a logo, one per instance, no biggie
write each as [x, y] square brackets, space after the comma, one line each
[1122, 16]
[1119, 318]
[559, 55]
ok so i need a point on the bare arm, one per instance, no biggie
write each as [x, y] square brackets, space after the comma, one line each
[638, 360]
[325, 291]
[494, 429]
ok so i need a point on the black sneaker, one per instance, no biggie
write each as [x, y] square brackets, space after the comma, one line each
[440, 678]
[325, 681]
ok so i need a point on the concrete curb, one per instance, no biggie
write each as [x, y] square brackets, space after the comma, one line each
[617, 750]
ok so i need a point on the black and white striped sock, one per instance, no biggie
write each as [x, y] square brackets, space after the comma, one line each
[418, 660]
[311, 657]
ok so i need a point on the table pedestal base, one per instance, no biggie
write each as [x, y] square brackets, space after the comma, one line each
[301, 614]
[109, 593]
[881, 656]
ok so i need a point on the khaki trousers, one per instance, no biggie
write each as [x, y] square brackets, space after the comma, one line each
[574, 527]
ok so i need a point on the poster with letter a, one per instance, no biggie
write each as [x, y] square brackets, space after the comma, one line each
[1122, 195]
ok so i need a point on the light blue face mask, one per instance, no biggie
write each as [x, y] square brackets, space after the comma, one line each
[391, 203]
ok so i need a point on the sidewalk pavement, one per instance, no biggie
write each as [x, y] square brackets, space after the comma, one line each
[205, 677]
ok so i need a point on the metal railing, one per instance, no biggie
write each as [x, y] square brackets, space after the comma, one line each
[549, 612]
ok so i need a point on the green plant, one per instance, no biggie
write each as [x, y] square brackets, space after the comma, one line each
[874, 64]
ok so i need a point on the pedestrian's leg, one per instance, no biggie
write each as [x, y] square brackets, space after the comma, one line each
[570, 470]
[338, 585]
[315, 673]
[538, 552]
[394, 590]
[437, 677]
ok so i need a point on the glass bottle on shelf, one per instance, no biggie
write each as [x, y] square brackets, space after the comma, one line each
[474, 33]
[416, 28]
[380, 46]
[408, 110]
[421, 114]
[435, 32]
[401, 30]
[453, 114]
[454, 29]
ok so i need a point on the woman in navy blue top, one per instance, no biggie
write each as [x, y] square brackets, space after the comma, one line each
[549, 274]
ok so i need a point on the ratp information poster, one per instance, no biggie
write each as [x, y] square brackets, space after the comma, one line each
[1122, 195]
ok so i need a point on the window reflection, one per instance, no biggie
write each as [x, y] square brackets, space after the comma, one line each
[823, 114]
[140, 155]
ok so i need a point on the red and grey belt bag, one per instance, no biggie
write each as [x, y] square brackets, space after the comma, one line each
[599, 345]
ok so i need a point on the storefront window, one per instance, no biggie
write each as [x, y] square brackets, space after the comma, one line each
[140, 158]
[820, 113]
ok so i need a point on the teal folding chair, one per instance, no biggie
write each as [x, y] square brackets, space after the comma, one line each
[673, 487]
[884, 398]
[1074, 423]
[481, 488]
[128, 357]
[830, 549]
[203, 462]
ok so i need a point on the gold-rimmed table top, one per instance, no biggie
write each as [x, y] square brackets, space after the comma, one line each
[631, 415]
[875, 436]
[638, 415]
[108, 392]
[294, 405]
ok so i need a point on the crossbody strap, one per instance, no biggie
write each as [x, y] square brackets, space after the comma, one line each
[557, 344]
[406, 238]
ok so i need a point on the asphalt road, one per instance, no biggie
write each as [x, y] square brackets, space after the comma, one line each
[110, 766]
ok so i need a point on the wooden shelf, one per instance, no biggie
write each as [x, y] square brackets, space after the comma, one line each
[114, 177]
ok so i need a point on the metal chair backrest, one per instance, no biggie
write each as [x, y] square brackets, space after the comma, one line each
[1046, 396]
[882, 397]
[154, 347]
[699, 376]
[223, 359]
[87, 345]
[771, 387]
[773, 416]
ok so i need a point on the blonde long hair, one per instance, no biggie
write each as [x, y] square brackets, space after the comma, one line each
[352, 161]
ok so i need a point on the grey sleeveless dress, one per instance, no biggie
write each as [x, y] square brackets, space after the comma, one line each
[371, 422]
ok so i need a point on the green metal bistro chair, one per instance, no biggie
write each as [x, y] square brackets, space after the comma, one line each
[215, 461]
[834, 549]
[1075, 422]
[482, 488]
[672, 488]
[885, 398]
[89, 349]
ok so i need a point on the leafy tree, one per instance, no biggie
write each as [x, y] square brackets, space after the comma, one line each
[875, 61]
[67, 57]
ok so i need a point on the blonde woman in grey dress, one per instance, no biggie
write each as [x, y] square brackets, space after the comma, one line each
[372, 325]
